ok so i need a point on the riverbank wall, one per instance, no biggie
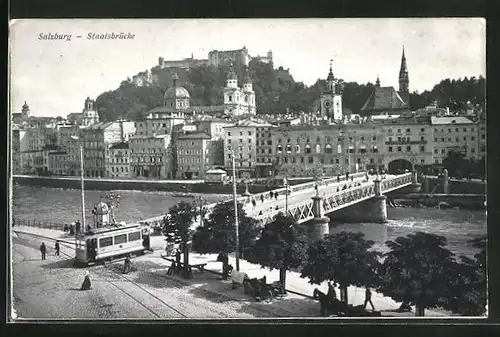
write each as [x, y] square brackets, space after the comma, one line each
[182, 186]
[462, 201]
[455, 186]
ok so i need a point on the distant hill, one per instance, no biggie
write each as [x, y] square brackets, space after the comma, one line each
[275, 91]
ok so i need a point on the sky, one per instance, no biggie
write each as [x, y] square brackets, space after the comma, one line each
[55, 77]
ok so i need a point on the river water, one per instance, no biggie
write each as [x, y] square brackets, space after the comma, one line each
[64, 206]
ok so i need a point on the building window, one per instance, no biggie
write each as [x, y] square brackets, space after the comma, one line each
[472, 138]
[435, 151]
[422, 138]
[328, 149]
[310, 160]
[249, 133]
[289, 148]
[422, 130]
[318, 148]
[422, 149]
[229, 134]
[307, 150]
[302, 160]
[408, 148]
[297, 148]
[390, 148]
[399, 148]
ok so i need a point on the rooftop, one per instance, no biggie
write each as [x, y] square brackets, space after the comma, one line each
[119, 146]
[191, 109]
[248, 123]
[384, 98]
[195, 135]
[450, 120]
[149, 136]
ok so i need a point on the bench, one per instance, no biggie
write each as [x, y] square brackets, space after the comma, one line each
[200, 266]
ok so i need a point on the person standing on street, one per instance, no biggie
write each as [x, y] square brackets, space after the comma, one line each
[86, 282]
[332, 294]
[57, 248]
[43, 250]
[368, 298]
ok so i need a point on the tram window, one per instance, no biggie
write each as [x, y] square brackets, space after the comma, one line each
[134, 236]
[105, 242]
[120, 239]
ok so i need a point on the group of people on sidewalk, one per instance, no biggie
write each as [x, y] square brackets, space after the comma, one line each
[43, 250]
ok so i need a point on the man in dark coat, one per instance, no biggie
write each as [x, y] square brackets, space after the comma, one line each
[86, 282]
[57, 248]
[368, 298]
[43, 250]
[332, 294]
[177, 260]
[77, 227]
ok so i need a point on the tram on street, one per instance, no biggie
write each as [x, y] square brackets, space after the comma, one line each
[109, 243]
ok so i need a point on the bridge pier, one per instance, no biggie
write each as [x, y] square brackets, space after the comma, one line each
[415, 186]
[320, 224]
[372, 210]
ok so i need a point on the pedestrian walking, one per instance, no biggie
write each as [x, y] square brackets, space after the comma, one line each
[253, 203]
[347, 176]
[57, 248]
[271, 194]
[177, 260]
[276, 195]
[332, 294]
[262, 198]
[368, 298]
[86, 282]
[77, 226]
[338, 178]
[127, 265]
[43, 250]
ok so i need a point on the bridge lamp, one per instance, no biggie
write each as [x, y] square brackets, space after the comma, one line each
[237, 252]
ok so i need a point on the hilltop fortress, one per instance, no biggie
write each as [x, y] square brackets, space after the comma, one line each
[238, 57]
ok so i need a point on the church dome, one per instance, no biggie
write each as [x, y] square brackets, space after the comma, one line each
[176, 92]
[25, 106]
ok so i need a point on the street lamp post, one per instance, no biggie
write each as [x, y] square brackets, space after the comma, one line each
[237, 252]
[82, 181]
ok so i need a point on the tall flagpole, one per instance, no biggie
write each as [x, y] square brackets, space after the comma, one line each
[237, 253]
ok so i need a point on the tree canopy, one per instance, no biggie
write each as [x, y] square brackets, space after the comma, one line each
[345, 258]
[418, 270]
[177, 222]
[282, 244]
[218, 232]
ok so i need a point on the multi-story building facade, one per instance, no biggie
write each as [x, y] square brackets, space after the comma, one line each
[118, 160]
[150, 156]
[57, 163]
[193, 155]
[241, 139]
[264, 149]
[158, 123]
[96, 139]
[18, 146]
[455, 133]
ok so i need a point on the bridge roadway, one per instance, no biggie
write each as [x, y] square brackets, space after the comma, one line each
[295, 190]
[301, 196]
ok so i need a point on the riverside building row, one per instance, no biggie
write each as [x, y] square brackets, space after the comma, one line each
[180, 141]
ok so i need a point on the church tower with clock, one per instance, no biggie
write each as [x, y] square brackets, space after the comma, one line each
[331, 98]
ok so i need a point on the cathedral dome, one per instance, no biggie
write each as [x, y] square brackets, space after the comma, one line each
[176, 92]
[25, 106]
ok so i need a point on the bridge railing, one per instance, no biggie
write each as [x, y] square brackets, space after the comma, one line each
[37, 223]
[387, 185]
[303, 211]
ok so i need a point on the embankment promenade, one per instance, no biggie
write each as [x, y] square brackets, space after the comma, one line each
[107, 184]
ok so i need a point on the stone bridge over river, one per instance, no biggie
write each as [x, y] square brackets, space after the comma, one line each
[361, 197]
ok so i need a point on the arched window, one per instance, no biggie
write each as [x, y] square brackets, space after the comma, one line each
[230, 98]
[279, 148]
[328, 149]
[339, 148]
[297, 148]
[318, 148]
[289, 148]
[307, 150]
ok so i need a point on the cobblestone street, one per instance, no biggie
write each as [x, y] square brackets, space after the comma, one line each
[50, 290]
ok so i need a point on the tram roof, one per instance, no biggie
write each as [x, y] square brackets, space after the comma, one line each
[108, 229]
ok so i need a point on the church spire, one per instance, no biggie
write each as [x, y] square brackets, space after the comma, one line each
[330, 73]
[404, 81]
